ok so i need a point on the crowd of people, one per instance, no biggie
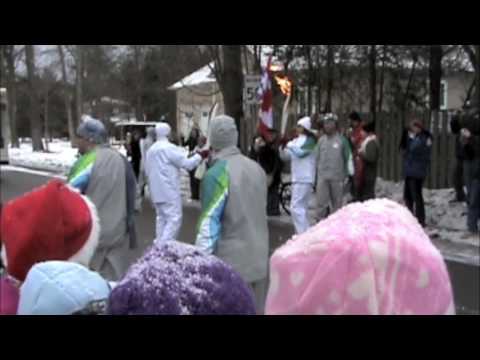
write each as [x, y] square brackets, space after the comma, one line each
[71, 257]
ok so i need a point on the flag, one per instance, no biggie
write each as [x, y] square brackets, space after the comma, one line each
[266, 95]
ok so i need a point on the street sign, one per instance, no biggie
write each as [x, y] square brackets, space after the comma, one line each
[252, 84]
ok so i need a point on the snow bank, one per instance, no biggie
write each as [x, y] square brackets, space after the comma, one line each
[440, 212]
[59, 160]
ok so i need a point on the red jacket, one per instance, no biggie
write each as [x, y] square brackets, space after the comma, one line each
[357, 138]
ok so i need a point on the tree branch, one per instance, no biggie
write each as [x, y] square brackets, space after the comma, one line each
[471, 54]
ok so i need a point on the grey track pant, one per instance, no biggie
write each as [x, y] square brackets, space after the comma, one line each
[329, 193]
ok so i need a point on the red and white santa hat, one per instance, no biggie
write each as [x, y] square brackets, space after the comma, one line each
[53, 222]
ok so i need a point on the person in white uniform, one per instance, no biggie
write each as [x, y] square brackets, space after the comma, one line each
[164, 161]
[303, 155]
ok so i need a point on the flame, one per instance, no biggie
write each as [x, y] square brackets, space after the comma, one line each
[276, 68]
[285, 85]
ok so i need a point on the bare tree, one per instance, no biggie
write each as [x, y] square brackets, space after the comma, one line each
[35, 126]
[10, 57]
[233, 82]
[473, 53]
[138, 61]
[372, 56]
[229, 75]
[477, 73]
[67, 97]
[79, 59]
[310, 76]
[435, 76]
[330, 77]
[48, 86]
[382, 78]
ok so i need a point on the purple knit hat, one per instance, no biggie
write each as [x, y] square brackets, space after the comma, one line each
[178, 279]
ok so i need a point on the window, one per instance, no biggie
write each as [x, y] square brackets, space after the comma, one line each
[444, 95]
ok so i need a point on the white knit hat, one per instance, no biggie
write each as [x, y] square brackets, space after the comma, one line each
[306, 123]
[223, 133]
[163, 130]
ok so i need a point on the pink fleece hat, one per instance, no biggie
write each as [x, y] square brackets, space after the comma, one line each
[369, 258]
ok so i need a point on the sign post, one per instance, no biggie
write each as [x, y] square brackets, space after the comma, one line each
[252, 84]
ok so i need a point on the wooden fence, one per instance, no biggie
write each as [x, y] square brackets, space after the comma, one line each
[389, 131]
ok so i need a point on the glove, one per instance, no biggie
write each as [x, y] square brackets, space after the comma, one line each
[204, 154]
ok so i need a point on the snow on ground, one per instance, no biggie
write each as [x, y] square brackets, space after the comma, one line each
[59, 160]
[446, 221]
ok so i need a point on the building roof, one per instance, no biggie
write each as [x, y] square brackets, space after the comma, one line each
[202, 76]
[135, 123]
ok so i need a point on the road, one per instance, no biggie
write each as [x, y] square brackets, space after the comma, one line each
[465, 277]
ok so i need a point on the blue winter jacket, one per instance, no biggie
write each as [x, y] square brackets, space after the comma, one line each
[417, 156]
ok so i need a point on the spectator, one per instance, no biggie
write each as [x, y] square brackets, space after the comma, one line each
[136, 153]
[367, 259]
[335, 164]
[470, 134]
[369, 153]
[52, 222]
[458, 177]
[303, 154]
[164, 161]
[128, 145]
[233, 221]
[194, 182]
[62, 288]
[145, 145]
[265, 152]
[417, 148]
[107, 178]
[178, 279]
[357, 137]
[193, 139]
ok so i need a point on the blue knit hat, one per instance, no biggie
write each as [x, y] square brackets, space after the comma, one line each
[92, 130]
[60, 288]
[179, 279]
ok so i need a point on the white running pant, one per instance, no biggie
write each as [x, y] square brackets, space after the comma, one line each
[169, 221]
[299, 206]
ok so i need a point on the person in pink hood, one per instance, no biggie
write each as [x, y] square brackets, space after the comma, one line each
[369, 258]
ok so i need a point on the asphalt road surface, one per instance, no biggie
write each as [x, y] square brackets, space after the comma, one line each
[465, 277]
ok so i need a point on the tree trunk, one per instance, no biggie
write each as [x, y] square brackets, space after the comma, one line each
[12, 93]
[137, 54]
[373, 81]
[478, 75]
[45, 118]
[382, 79]
[35, 127]
[308, 54]
[435, 74]
[79, 83]
[66, 96]
[407, 90]
[318, 82]
[330, 64]
[233, 83]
